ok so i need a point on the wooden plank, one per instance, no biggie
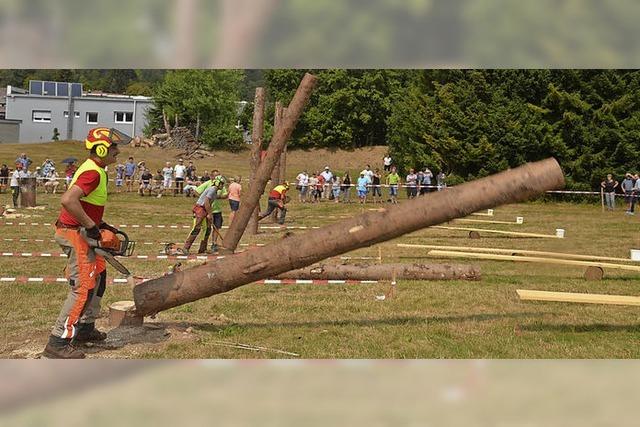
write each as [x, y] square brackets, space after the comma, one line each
[510, 233]
[517, 252]
[529, 295]
[486, 221]
[454, 254]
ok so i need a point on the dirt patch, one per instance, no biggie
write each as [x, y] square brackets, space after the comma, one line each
[122, 343]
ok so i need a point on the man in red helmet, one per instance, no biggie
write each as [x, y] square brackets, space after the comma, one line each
[78, 232]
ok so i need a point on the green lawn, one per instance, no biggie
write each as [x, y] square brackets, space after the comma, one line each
[436, 319]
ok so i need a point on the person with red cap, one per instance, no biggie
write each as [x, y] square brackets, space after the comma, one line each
[79, 231]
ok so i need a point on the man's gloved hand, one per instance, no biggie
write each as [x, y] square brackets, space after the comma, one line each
[93, 233]
[111, 228]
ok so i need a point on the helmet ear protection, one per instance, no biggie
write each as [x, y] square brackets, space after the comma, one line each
[101, 150]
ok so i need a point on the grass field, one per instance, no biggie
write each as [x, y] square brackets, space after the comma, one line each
[423, 320]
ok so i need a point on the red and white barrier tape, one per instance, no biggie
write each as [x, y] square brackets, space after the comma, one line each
[145, 257]
[53, 279]
[184, 226]
[17, 239]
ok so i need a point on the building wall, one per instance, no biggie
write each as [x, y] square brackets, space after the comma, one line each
[9, 131]
[20, 107]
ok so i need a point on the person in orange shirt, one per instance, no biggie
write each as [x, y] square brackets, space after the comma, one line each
[235, 189]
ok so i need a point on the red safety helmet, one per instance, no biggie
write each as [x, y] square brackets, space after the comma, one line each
[105, 137]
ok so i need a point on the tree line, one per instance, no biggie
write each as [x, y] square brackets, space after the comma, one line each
[468, 123]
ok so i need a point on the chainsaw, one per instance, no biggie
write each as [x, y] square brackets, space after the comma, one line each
[111, 245]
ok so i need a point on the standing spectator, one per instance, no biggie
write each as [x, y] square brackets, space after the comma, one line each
[51, 181]
[346, 187]
[609, 188]
[69, 171]
[119, 177]
[393, 181]
[440, 179]
[363, 183]
[180, 171]
[167, 175]
[145, 182]
[24, 161]
[129, 171]
[235, 192]
[411, 182]
[387, 162]
[321, 185]
[47, 165]
[336, 188]
[191, 171]
[427, 176]
[627, 187]
[368, 173]
[140, 168]
[16, 176]
[327, 176]
[377, 190]
[302, 185]
[313, 188]
[4, 178]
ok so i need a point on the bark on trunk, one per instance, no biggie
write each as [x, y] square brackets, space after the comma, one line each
[385, 272]
[257, 134]
[233, 235]
[275, 173]
[222, 275]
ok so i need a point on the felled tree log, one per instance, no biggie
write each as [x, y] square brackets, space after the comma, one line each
[222, 275]
[385, 272]
[252, 197]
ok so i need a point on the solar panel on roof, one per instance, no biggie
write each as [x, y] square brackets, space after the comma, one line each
[63, 89]
[49, 89]
[35, 87]
[76, 89]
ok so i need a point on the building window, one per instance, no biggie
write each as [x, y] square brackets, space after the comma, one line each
[65, 114]
[92, 118]
[76, 114]
[123, 117]
[41, 116]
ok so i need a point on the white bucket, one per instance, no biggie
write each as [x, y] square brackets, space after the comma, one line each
[519, 220]
[490, 212]
[635, 254]
[560, 233]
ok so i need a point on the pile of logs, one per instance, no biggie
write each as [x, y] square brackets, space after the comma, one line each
[179, 138]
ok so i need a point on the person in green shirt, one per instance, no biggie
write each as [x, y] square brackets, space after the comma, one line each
[393, 181]
[216, 210]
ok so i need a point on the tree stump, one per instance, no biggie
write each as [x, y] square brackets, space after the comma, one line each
[474, 235]
[28, 192]
[123, 313]
[594, 273]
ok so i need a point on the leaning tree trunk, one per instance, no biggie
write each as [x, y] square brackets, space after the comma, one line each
[283, 157]
[256, 139]
[233, 235]
[385, 272]
[372, 227]
[275, 173]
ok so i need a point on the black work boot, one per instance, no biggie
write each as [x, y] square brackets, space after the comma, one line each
[60, 348]
[87, 332]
